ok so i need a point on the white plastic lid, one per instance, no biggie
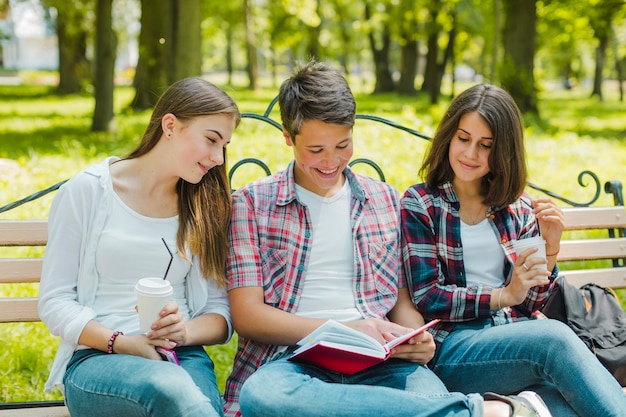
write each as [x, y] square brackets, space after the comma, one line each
[154, 286]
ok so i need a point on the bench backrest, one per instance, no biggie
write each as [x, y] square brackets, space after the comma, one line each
[16, 270]
[608, 244]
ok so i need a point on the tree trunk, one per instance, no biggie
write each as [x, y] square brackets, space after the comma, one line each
[430, 72]
[150, 76]
[105, 67]
[495, 48]
[251, 50]
[448, 55]
[229, 53]
[601, 20]
[384, 81]
[187, 43]
[313, 45]
[429, 83]
[344, 17]
[600, 59]
[408, 68]
[519, 32]
[409, 50]
[73, 63]
[618, 64]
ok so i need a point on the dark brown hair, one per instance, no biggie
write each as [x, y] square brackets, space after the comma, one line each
[204, 209]
[315, 91]
[507, 163]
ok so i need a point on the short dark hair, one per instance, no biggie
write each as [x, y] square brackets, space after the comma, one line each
[315, 91]
[507, 162]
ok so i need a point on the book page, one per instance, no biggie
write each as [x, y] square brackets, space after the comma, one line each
[379, 352]
[338, 333]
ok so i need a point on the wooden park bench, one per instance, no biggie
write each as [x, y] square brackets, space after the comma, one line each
[593, 250]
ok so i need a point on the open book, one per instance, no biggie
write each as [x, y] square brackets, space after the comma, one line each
[342, 349]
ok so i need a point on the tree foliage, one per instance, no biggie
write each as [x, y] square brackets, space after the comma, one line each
[391, 45]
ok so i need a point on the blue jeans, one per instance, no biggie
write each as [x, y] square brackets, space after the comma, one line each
[394, 388]
[540, 355]
[98, 384]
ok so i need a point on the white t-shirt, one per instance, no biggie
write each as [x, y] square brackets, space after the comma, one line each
[328, 285]
[128, 237]
[482, 255]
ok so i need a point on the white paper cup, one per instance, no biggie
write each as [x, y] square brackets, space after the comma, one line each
[152, 295]
[533, 242]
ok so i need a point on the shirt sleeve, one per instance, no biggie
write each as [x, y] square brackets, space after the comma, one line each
[209, 296]
[58, 304]
[243, 266]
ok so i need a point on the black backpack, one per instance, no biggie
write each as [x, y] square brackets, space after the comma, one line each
[596, 316]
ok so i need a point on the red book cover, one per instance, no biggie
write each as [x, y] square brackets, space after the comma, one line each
[342, 349]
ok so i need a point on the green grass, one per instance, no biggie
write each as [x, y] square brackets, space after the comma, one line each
[45, 139]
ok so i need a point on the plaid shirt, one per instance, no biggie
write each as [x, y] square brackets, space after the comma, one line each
[270, 243]
[433, 257]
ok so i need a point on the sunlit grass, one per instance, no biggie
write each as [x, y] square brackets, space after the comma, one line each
[46, 139]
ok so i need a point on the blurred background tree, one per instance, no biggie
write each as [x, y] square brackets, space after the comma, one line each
[401, 46]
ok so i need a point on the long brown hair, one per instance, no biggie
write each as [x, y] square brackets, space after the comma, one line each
[204, 209]
[507, 175]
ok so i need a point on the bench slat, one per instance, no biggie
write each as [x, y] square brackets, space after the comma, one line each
[54, 411]
[586, 249]
[18, 310]
[581, 218]
[606, 277]
[23, 232]
[18, 270]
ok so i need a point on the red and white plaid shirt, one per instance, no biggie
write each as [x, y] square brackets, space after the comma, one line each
[270, 243]
[433, 257]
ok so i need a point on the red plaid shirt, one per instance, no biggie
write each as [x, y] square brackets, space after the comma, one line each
[270, 241]
[433, 257]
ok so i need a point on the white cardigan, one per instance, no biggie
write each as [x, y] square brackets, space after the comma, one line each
[69, 279]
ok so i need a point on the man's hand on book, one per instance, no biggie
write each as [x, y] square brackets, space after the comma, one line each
[420, 349]
[381, 330]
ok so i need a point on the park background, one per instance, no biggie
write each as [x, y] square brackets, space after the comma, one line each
[106, 61]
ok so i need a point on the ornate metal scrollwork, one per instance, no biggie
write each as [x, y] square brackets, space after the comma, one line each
[581, 182]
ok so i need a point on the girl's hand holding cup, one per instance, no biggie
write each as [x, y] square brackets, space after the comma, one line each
[170, 330]
[530, 270]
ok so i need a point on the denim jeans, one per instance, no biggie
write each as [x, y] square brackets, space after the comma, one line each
[99, 384]
[539, 355]
[394, 388]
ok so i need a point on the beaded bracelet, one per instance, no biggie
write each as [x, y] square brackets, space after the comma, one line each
[112, 340]
[500, 298]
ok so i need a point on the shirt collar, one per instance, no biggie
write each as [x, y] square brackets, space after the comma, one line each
[287, 185]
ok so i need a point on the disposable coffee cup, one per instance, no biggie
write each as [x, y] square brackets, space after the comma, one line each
[152, 295]
[533, 242]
